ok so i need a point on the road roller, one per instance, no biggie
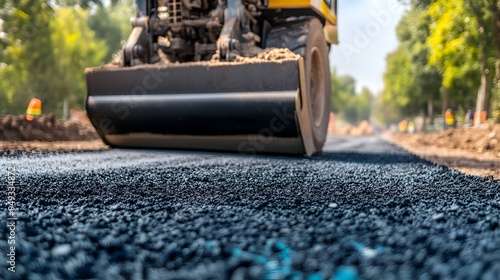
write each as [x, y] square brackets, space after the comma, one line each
[244, 76]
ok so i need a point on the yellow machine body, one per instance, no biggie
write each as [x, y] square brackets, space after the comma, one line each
[185, 78]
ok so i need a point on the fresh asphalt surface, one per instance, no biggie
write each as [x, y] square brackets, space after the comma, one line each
[362, 210]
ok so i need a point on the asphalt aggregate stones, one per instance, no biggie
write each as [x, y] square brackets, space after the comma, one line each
[363, 209]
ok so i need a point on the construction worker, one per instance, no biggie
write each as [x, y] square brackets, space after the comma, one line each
[483, 116]
[34, 109]
[411, 127]
[403, 125]
[449, 119]
[469, 118]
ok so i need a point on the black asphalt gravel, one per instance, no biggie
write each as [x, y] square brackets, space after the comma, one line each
[361, 210]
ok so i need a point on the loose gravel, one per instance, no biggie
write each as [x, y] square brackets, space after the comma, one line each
[362, 210]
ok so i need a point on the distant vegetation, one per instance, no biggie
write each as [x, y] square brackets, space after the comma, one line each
[349, 105]
[45, 45]
[448, 57]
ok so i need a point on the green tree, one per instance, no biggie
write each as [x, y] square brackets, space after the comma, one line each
[461, 43]
[112, 24]
[75, 48]
[346, 103]
[364, 101]
[413, 31]
[399, 80]
[385, 112]
[487, 15]
[84, 3]
[343, 88]
[28, 55]
[448, 45]
[44, 51]
[411, 84]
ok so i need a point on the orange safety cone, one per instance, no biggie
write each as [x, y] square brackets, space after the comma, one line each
[34, 109]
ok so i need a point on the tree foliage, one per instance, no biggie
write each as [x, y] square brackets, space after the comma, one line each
[411, 84]
[45, 46]
[112, 25]
[447, 52]
[453, 41]
[346, 103]
[28, 52]
[463, 45]
[400, 87]
[72, 55]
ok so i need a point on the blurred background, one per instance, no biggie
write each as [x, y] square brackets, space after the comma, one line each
[45, 46]
[413, 60]
[397, 60]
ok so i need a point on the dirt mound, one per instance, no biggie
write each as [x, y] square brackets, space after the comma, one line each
[266, 55]
[482, 139]
[271, 54]
[471, 150]
[45, 128]
[343, 128]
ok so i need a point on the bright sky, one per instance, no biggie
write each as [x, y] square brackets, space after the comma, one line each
[367, 33]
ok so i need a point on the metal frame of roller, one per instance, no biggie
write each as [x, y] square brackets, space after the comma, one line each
[253, 107]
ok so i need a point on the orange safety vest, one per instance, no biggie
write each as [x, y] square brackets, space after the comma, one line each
[483, 116]
[449, 119]
[403, 125]
[34, 109]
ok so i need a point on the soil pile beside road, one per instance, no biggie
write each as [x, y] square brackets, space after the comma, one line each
[47, 133]
[482, 139]
[363, 129]
[45, 128]
[472, 150]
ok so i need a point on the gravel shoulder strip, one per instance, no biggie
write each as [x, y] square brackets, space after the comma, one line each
[26, 146]
[466, 161]
[363, 209]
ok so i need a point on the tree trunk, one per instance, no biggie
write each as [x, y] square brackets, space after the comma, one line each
[65, 108]
[483, 88]
[446, 96]
[430, 109]
[481, 97]
[420, 121]
[496, 92]
[496, 23]
[496, 31]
